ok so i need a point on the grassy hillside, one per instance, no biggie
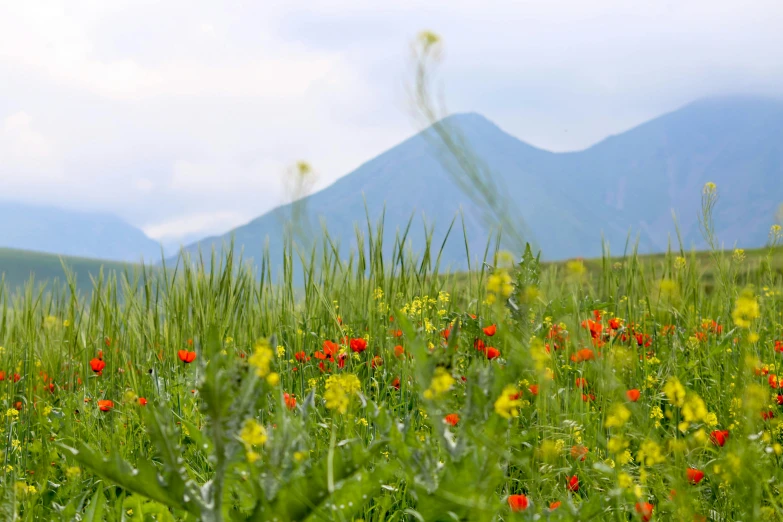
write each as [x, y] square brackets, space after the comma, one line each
[18, 266]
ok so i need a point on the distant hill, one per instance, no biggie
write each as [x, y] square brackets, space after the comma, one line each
[71, 233]
[631, 182]
[18, 266]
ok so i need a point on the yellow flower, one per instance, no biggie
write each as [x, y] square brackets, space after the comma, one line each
[739, 255]
[281, 351]
[253, 434]
[624, 480]
[746, 309]
[650, 453]
[261, 358]
[576, 268]
[11, 412]
[694, 409]
[505, 405]
[617, 417]
[680, 262]
[499, 285]
[674, 391]
[73, 472]
[442, 381]
[273, 379]
[339, 390]
[710, 187]
[616, 444]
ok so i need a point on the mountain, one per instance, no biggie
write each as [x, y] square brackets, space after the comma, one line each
[17, 267]
[626, 184]
[71, 233]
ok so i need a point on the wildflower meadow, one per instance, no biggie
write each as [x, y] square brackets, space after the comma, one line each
[380, 388]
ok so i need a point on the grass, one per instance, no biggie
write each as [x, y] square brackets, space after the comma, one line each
[375, 390]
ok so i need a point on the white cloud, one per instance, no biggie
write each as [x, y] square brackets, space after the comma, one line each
[162, 111]
[200, 223]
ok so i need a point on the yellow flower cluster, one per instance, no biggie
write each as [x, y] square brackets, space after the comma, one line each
[746, 309]
[339, 390]
[442, 381]
[617, 417]
[499, 285]
[261, 358]
[650, 453]
[507, 405]
[252, 434]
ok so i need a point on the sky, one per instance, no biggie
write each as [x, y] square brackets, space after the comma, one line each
[185, 117]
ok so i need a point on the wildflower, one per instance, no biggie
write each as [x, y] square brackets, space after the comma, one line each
[579, 452]
[97, 365]
[261, 359]
[694, 475]
[358, 345]
[452, 419]
[186, 356]
[719, 437]
[73, 472]
[633, 395]
[290, 401]
[580, 382]
[273, 379]
[339, 390]
[746, 309]
[399, 351]
[499, 285]
[442, 381]
[573, 484]
[517, 503]
[585, 354]
[301, 356]
[142, 401]
[650, 454]
[490, 330]
[396, 383]
[105, 405]
[554, 505]
[492, 353]
[675, 392]
[533, 389]
[644, 509]
[615, 323]
[253, 434]
[507, 405]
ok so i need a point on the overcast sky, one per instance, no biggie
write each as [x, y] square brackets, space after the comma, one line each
[183, 116]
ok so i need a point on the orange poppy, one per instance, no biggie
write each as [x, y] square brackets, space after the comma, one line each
[97, 365]
[517, 502]
[645, 510]
[452, 419]
[142, 401]
[290, 401]
[492, 353]
[694, 475]
[186, 356]
[105, 405]
[490, 330]
[633, 395]
[398, 351]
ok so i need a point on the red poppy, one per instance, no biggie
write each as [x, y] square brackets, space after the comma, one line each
[585, 354]
[290, 401]
[2, 375]
[17, 377]
[614, 323]
[446, 333]
[554, 505]
[396, 383]
[479, 345]
[779, 346]
[492, 353]
[142, 401]
[517, 502]
[186, 356]
[490, 330]
[533, 388]
[645, 510]
[643, 339]
[358, 345]
[97, 365]
[719, 437]
[105, 405]
[376, 361]
[580, 382]
[588, 397]
[452, 419]
[398, 351]
[573, 484]
[595, 328]
[579, 452]
[766, 415]
[301, 356]
[18, 405]
[694, 475]
[396, 333]
[633, 395]
[100, 354]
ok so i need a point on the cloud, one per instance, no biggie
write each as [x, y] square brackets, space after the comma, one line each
[200, 223]
[161, 111]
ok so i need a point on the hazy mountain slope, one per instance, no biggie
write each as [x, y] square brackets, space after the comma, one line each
[66, 232]
[629, 182]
